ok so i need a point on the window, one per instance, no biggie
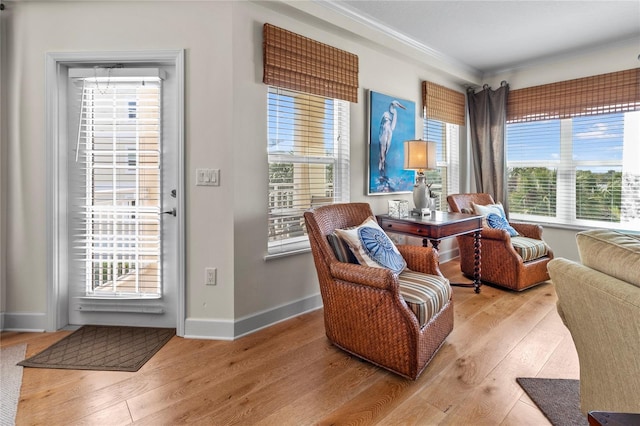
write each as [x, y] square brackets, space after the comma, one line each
[308, 154]
[445, 179]
[444, 114]
[578, 167]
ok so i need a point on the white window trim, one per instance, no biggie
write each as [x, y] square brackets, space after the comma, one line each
[300, 244]
[566, 166]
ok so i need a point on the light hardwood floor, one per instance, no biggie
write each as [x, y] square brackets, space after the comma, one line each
[289, 374]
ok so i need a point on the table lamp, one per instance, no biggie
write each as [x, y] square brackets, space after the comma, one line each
[420, 155]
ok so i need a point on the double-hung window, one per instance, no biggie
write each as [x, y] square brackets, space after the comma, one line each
[444, 116]
[310, 85]
[308, 151]
[444, 179]
[577, 164]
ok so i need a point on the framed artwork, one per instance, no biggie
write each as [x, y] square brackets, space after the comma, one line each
[391, 122]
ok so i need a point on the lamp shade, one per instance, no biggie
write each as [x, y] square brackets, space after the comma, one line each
[419, 155]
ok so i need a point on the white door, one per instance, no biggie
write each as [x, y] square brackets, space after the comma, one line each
[122, 196]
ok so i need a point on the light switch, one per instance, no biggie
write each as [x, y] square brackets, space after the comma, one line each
[214, 177]
[208, 177]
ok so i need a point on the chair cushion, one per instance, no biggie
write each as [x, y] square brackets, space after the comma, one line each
[372, 247]
[499, 222]
[424, 294]
[529, 248]
[341, 249]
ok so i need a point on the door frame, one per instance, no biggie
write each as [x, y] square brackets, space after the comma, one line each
[55, 132]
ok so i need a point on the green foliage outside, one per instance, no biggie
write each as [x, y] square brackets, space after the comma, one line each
[532, 191]
[598, 195]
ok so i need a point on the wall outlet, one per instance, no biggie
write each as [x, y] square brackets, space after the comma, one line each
[210, 276]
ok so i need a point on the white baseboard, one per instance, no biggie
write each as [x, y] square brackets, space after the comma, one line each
[194, 328]
[23, 321]
[229, 330]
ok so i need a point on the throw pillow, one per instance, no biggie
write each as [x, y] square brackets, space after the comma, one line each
[499, 222]
[489, 208]
[372, 247]
[341, 249]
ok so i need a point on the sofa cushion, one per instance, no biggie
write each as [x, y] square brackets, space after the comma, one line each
[424, 294]
[612, 253]
[372, 247]
[529, 248]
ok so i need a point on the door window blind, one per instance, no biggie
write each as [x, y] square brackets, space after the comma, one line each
[116, 183]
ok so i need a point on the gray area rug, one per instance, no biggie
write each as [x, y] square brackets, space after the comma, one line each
[11, 378]
[107, 348]
[558, 399]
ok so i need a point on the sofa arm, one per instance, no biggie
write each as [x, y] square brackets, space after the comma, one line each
[364, 275]
[601, 312]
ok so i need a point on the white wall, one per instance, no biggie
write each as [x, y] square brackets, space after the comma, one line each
[225, 129]
[204, 30]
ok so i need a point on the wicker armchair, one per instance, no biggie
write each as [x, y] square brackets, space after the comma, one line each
[501, 264]
[364, 313]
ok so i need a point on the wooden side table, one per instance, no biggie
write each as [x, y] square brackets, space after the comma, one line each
[436, 227]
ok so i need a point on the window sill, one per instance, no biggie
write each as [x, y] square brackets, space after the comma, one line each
[289, 249]
[573, 227]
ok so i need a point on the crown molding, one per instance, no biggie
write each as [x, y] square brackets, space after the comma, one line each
[338, 14]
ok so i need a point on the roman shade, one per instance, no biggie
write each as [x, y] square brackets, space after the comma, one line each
[443, 104]
[295, 62]
[599, 94]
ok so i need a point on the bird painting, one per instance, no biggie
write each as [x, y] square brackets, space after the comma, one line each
[385, 134]
[391, 122]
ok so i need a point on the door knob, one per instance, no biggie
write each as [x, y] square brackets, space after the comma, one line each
[172, 212]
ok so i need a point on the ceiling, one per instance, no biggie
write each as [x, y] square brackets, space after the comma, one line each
[492, 36]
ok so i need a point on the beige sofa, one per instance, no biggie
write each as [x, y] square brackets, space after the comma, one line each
[599, 302]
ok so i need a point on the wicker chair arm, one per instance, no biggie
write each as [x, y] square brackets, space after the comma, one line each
[421, 259]
[495, 234]
[363, 275]
[530, 230]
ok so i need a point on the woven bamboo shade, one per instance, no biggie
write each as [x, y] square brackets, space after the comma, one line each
[443, 104]
[294, 62]
[600, 94]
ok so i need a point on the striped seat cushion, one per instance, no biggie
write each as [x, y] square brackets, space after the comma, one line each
[529, 248]
[425, 294]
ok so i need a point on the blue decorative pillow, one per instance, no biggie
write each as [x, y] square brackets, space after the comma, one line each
[372, 247]
[498, 222]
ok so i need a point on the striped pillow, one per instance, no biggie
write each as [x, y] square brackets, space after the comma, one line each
[529, 248]
[341, 249]
[424, 294]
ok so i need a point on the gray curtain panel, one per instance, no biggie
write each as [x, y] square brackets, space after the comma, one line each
[487, 123]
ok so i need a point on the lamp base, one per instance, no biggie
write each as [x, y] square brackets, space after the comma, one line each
[420, 193]
[424, 203]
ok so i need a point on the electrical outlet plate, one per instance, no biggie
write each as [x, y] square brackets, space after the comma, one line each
[210, 276]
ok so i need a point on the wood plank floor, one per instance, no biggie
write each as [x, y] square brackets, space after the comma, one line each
[289, 374]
